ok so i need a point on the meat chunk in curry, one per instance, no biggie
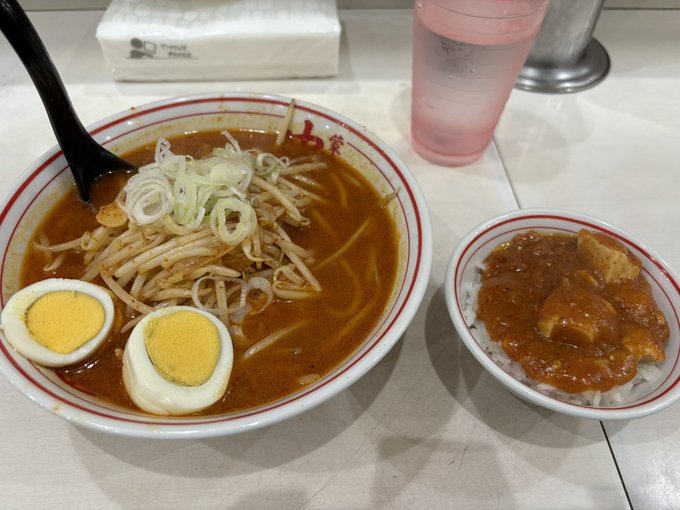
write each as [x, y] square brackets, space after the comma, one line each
[608, 257]
[576, 314]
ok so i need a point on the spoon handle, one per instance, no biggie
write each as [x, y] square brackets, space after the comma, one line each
[27, 44]
[86, 158]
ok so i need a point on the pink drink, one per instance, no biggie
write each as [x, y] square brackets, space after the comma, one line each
[466, 57]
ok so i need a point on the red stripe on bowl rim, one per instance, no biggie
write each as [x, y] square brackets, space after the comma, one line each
[139, 113]
[602, 228]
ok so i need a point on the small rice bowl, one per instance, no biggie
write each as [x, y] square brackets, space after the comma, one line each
[634, 400]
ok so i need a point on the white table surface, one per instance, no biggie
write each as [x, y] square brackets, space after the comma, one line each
[426, 428]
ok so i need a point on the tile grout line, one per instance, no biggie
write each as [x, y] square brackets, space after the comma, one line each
[507, 175]
[616, 465]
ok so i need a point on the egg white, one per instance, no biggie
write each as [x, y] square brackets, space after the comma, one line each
[13, 320]
[151, 392]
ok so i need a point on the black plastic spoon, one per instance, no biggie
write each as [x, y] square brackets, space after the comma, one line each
[87, 159]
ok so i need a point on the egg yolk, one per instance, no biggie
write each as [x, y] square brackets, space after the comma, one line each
[183, 346]
[64, 320]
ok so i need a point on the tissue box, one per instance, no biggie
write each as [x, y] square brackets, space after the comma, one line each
[162, 40]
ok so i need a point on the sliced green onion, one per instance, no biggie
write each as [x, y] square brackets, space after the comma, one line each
[245, 226]
[193, 192]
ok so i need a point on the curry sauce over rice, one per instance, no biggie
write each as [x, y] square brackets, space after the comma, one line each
[325, 328]
[575, 311]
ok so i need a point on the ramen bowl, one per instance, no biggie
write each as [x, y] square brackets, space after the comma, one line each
[31, 197]
[463, 274]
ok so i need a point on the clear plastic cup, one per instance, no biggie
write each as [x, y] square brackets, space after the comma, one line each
[467, 55]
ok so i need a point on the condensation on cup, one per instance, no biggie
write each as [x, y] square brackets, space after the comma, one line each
[467, 55]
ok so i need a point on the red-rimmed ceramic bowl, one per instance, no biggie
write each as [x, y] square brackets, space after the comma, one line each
[32, 195]
[463, 272]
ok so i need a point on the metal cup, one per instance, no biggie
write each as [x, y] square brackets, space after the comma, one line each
[566, 57]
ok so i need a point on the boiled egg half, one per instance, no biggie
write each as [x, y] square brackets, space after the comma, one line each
[177, 361]
[58, 322]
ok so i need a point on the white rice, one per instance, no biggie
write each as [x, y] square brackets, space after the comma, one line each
[617, 395]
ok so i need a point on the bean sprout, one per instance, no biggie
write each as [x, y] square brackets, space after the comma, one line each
[208, 232]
